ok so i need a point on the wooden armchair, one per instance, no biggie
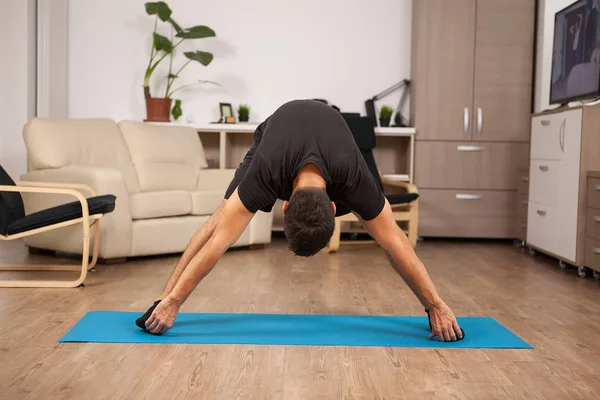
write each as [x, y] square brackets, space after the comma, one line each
[405, 205]
[14, 224]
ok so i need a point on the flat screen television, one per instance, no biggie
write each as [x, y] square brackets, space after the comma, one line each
[576, 53]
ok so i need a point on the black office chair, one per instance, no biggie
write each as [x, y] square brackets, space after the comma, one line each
[405, 206]
[15, 224]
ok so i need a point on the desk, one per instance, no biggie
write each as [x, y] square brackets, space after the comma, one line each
[226, 144]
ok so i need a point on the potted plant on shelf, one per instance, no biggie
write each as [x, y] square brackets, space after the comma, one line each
[158, 109]
[243, 112]
[385, 115]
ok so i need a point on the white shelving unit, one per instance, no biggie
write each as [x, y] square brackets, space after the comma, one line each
[226, 144]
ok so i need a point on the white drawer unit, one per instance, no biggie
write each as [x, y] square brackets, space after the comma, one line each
[564, 146]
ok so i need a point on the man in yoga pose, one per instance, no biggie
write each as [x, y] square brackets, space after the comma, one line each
[304, 154]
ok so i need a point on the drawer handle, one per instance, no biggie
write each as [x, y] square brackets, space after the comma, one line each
[597, 187]
[596, 250]
[461, 196]
[525, 178]
[524, 202]
[523, 225]
[545, 122]
[470, 148]
[544, 168]
[541, 212]
[597, 219]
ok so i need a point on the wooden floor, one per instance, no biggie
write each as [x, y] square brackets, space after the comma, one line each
[555, 311]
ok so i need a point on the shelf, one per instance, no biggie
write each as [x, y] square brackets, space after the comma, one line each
[250, 127]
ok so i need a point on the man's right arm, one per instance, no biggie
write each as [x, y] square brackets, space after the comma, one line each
[234, 219]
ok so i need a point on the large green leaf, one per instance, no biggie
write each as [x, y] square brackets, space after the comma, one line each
[196, 32]
[161, 8]
[178, 28]
[162, 43]
[202, 57]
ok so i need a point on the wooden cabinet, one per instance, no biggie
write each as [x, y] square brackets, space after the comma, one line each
[564, 147]
[472, 82]
[592, 245]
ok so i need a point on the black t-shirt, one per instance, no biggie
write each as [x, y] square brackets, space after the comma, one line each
[301, 132]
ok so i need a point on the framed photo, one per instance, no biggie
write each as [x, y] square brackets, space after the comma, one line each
[227, 113]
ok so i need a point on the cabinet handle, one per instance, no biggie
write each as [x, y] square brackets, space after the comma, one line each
[596, 250]
[461, 196]
[479, 120]
[523, 225]
[544, 168]
[524, 202]
[470, 148]
[597, 219]
[541, 212]
[561, 136]
[466, 121]
[545, 122]
[597, 187]
[525, 178]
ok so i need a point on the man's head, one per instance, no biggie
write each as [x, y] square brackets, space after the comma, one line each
[309, 220]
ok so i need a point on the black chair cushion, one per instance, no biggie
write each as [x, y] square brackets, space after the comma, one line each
[11, 203]
[401, 198]
[65, 212]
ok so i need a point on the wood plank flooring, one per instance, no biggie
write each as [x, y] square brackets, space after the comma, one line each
[555, 311]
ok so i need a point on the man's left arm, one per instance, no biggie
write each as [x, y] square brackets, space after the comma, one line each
[403, 258]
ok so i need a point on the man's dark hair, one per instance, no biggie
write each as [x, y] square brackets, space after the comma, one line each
[309, 221]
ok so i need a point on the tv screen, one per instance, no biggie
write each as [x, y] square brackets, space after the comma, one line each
[576, 53]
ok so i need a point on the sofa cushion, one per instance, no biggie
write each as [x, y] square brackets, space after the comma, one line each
[206, 202]
[56, 143]
[160, 204]
[165, 157]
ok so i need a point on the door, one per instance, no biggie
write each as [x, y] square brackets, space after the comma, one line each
[568, 195]
[503, 70]
[443, 51]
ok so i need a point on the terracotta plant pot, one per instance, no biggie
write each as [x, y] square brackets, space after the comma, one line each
[158, 109]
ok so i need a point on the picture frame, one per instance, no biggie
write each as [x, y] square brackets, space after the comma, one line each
[227, 115]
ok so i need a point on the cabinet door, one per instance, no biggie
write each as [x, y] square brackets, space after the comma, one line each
[442, 87]
[503, 70]
[568, 195]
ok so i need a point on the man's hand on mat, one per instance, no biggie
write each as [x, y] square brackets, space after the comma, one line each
[163, 317]
[443, 324]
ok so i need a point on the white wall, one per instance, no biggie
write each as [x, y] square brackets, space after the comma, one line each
[17, 81]
[547, 10]
[266, 52]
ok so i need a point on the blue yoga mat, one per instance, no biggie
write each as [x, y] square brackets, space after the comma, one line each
[291, 329]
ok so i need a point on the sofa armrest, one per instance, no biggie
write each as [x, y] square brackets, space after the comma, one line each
[214, 179]
[101, 180]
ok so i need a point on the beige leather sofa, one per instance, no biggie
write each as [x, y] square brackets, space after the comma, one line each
[157, 172]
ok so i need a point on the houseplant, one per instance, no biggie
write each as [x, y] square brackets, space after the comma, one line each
[159, 108]
[243, 112]
[385, 115]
